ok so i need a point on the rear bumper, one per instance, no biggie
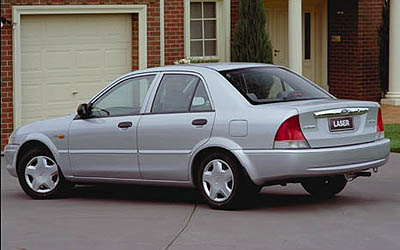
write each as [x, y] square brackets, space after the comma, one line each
[271, 165]
[10, 155]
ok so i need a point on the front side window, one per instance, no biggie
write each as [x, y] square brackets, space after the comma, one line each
[203, 28]
[181, 93]
[269, 84]
[124, 99]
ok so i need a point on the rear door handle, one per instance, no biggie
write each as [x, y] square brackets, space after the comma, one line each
[199, 122]
[125, 124]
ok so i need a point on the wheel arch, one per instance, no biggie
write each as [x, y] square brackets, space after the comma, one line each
[37, 141]
[205, 151]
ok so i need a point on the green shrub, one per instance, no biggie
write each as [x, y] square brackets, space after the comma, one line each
[250, 40]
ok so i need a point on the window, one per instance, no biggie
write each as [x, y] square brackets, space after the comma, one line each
[124, 99]
[181, 93]
[307, 36]
[269, 84]
[203, 28]
[200, 101]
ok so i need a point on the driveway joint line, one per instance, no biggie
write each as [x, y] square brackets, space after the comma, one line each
[183, 228]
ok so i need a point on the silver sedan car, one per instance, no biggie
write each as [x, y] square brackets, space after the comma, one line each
[227, 129]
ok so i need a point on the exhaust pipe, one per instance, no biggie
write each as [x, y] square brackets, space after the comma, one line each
[353, 176]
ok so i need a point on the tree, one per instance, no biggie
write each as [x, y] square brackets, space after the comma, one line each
[383, 42]
[251, 42]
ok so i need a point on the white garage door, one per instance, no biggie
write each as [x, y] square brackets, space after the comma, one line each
[66, 59]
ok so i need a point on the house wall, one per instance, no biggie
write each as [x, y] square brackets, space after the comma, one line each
[353, 63]
[174, 43]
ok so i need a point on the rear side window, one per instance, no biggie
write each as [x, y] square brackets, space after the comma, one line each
[181, 93]
[200, 101]
[269, 84]
[175, 93]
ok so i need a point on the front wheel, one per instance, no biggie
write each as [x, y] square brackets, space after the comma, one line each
[324, 187]
[40, 176]
[223, 183]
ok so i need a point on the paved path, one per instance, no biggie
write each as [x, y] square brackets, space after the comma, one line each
[365, 216]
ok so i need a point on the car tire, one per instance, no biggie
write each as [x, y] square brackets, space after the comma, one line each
[223, 183]
[324, 187]
[40, 176]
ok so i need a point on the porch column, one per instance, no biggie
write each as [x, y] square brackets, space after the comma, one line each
[295, 36]
[393, 96]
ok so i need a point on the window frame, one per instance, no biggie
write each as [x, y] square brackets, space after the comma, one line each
[150, 105]
[203, 21]
[223, 30]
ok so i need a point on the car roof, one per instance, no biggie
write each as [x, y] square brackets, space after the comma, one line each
[231, 65]
[198, 66]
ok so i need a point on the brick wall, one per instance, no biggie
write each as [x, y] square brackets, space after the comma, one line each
[174, 43]
[369, 20]
[234, 14]
[353, 63]
[174, 30]
[6, 75]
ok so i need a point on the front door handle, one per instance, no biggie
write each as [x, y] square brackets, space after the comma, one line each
[125, 124]
[199, 122]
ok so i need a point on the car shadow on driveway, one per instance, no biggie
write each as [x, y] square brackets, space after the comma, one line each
[136, 193]
[269, 201]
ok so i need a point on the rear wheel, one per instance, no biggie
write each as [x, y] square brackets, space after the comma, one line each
[223, 183]
[40, 176]
[324, 187]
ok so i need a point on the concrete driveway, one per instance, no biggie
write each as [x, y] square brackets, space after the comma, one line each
[366, 215]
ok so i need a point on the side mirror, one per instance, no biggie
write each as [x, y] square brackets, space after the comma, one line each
[83, 110]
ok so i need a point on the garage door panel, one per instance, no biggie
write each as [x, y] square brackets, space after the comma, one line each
[58, 27]
[59, 60]
[116, 58]
[67, 59]
[32, 62]
[32, 95]
[90, 59]
[32, 31]
[59, 92]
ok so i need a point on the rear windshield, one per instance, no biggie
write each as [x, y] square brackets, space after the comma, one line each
[269, 84]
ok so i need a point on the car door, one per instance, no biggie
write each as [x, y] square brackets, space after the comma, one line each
[105, 143]
[180, 120]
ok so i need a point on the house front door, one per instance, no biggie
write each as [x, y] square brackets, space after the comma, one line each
[277, 27]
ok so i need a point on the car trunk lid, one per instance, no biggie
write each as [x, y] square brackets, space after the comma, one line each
[333, 122]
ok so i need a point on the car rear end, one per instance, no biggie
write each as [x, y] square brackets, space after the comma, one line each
[322, 136]
[307, 145]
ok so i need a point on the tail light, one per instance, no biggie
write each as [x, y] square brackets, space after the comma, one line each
[289, 135]
[379, 126]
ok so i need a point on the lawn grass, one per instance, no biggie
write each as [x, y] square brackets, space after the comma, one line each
[392, 131]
